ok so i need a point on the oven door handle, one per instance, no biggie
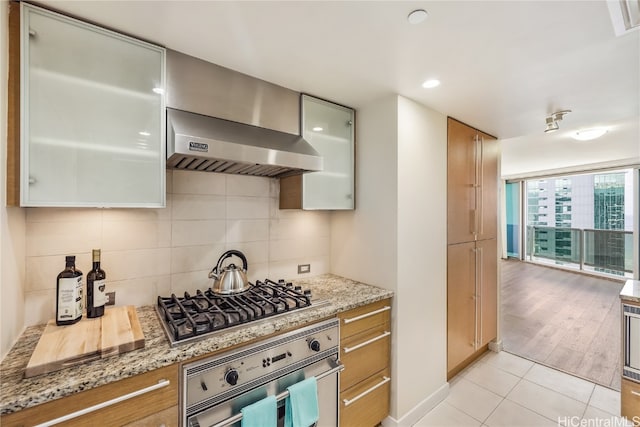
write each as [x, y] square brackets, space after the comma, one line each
[228, 421]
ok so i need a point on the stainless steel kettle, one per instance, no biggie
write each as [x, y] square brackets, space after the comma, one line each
[230, 279]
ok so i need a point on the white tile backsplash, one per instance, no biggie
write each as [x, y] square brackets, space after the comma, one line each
[238, 185]
[151, 252]
[199, 232]
[62, 238]
[246, 207]
[247, 230]
[195, 258]
[191, 182]
[126, 235]
[198, 206]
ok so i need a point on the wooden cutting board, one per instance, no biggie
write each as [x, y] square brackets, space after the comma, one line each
[117, 332]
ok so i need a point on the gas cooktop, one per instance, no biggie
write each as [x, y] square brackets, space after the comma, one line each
[193, 317]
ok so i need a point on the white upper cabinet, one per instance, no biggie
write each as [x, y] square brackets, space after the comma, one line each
[92, 115]
[330, 129]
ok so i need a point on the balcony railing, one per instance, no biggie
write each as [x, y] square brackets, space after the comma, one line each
[604, 251]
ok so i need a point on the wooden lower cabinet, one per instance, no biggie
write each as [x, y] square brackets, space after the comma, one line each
[366, 403]
[472, 301]
[365, 351]
[630, 399]
[158, 405]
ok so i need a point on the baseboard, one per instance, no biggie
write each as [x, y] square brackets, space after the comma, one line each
[496, 346]
[420, 410]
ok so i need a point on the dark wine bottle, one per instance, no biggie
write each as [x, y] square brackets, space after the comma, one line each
[96, 297]
[69, 293]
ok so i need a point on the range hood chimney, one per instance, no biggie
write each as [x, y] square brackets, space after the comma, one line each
[219, 120]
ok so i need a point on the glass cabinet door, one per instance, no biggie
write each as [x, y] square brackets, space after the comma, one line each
[329, 128]
[92, 115]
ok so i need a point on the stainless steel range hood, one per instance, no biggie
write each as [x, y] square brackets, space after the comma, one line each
[220, 120]
[203, 143]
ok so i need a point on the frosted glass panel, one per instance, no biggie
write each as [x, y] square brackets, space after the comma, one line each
[92, 122]
[329, 128]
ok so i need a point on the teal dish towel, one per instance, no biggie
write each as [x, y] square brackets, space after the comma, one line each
[301, 407]
[263, 413]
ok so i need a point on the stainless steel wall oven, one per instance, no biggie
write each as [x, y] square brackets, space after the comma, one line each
[631, 342]
[215, 389]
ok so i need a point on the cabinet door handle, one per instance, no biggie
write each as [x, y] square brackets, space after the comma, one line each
[161, 383]
[479, 288]
[348, 402]
[481, 188]
[362, 344]
[364, 316]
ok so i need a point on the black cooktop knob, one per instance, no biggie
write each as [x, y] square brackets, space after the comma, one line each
[203, 385]
[231, 377]
[314, 344]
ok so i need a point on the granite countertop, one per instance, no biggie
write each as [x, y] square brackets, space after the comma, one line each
[18, 393]
[631, 291]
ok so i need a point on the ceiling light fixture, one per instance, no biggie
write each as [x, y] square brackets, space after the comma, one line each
[588, 134]
[429, 84]
[553, 119]
[417, 16]
[317, 129]
[158, 90]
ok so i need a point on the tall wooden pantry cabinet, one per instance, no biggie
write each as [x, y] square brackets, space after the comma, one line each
[472, 249]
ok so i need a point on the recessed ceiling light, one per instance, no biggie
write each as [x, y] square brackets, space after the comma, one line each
[317, 129]
[588, 134]
[158, 90]
[428, 84]
[143, 133]
[417, 16]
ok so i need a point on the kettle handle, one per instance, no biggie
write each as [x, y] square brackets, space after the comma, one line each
[231, 253]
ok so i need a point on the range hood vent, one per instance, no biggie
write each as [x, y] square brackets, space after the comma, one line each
[203, 143]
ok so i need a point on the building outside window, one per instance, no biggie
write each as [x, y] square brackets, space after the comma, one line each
[583, 221]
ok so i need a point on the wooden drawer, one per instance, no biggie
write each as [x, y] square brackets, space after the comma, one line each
[167, 418]
[367, 403]
[159, 391]
[364, 354]
[363, 318]
[630, 399]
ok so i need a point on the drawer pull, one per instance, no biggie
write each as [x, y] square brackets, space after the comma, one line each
[161, 383]
[635, 393]
[364, 316]
[362, 344]
[348, 402]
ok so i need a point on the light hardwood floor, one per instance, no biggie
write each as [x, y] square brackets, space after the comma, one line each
[568, 321]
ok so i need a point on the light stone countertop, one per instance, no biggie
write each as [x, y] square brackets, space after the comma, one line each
[631, 291]
[18, 393]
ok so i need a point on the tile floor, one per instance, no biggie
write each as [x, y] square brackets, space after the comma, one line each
[501, 389]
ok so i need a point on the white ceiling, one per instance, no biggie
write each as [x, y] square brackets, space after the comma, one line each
[504, 65]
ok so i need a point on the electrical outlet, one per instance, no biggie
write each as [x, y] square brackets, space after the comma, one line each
[111, 298]
[304, 268]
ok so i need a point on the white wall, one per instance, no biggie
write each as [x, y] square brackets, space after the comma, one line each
[396, 239]
[364, 241]
[151, 252]
[421, 358]
[12, 240]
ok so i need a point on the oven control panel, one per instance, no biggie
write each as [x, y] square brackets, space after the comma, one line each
[247, 366]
